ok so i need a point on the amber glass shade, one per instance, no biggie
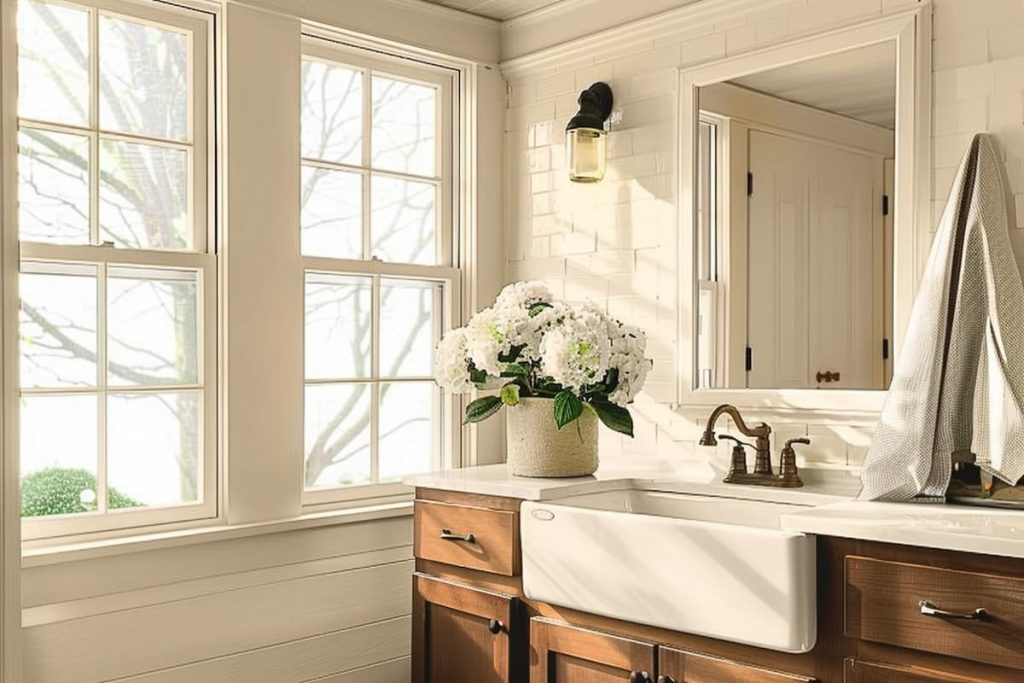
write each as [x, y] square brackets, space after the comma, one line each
[585, 149]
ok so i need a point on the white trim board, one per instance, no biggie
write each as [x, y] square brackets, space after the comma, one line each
[539, 40]
[727, 99]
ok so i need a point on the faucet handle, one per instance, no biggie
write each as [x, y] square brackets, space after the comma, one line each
[738, 466]
[787, 470]
[730, 437]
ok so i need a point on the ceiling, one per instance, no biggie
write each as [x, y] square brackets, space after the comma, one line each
[496, 9]
[860, 84]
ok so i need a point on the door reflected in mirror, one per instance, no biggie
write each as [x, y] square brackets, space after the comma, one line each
[794, 239]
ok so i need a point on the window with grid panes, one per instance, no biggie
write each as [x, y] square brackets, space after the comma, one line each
[380, 281]
[117, 268]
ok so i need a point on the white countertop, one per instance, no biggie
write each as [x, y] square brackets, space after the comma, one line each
[646, 473]
[827, 497]
[987, 531]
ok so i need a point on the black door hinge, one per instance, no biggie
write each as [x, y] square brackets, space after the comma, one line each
[749, 359]
[750, 184]
[885, 205]
[885, 349]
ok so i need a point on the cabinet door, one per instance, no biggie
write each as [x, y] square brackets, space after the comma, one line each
[856, 671]
[567, 654]
[463, 634]
[679, 666]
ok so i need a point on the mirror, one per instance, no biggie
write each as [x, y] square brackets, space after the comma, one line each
[795, 205]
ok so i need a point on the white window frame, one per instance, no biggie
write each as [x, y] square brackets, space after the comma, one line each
[330, 50]
[202, 258]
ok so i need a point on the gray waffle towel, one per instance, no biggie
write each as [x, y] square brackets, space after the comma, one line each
[958, 384]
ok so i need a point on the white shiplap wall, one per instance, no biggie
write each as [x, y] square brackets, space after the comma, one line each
[285, 607]
[615, 242]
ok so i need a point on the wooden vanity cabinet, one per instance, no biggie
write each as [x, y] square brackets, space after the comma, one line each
[472, 622]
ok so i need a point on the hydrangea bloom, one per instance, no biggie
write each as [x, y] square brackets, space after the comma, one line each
[576, 351]
[537, 346]
[450, 362]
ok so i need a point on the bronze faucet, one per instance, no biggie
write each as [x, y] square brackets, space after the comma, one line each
[763, 475]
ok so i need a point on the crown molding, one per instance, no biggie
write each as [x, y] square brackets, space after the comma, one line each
[518, 57]
[428, 26]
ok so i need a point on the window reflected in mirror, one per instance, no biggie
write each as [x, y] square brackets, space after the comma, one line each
[794, 225]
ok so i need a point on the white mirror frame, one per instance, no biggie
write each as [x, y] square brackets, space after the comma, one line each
[911, 33]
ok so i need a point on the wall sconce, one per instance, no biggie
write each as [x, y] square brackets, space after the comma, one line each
[585, 137]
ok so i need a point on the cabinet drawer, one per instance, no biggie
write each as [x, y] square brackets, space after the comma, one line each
[466, 536]
[883, 604]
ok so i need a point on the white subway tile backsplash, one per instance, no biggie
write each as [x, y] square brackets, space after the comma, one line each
[960, 50]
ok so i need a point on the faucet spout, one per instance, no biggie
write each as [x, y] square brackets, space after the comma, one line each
[708, 438]
[762, 433]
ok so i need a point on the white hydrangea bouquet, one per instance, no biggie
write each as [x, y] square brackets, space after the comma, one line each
[529, 345]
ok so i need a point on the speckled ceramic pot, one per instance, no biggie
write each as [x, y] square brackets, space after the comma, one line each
[538, 448]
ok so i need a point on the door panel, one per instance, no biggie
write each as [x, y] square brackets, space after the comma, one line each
[463, 634]
[567, 654]
[680, 666]
[816, 258]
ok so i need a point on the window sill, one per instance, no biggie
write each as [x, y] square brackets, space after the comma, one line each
[73, 552]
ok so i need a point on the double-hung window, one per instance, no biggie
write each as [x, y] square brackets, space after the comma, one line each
[381, 283]
[118, 276]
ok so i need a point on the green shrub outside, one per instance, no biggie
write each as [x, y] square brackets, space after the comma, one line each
[58, 491]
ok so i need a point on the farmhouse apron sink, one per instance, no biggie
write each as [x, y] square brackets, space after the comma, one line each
[712, 566]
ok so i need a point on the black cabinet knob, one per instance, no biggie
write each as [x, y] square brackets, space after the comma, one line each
[494, 626]
[639, 677]
[666, 679]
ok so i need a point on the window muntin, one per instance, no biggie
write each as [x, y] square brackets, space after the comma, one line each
[117, 284]
[377, 237]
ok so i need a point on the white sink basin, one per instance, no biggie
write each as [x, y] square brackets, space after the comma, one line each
[717, 567]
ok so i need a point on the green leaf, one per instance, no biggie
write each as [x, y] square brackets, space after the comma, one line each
[512, 355]
[611, 380]
[567, 408]
[510, 394]
[477, 376]
[482, 408]
[515, 370]
[615, 418]
[536, 309]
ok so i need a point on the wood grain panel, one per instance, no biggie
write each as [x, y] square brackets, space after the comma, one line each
[560, 653]
[452, 636]
[868, 672]
[882, 605]
[691, 667]
[347, 651]
[495, 547]
[123, 644]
